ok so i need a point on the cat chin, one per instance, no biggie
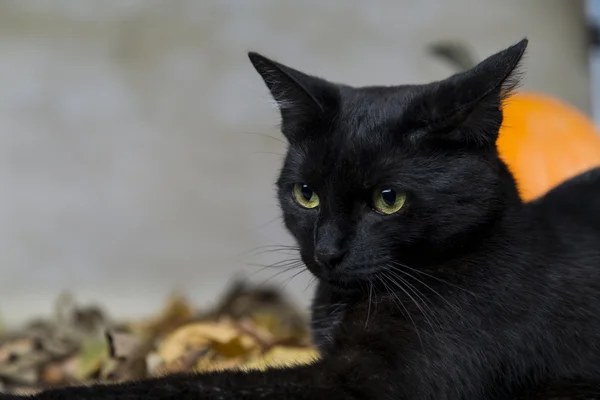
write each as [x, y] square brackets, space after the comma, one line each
[343, 288]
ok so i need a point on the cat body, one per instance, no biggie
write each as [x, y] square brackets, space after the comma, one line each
[521, 314]
[435, 280]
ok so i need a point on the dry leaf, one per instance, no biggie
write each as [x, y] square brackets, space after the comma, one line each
[243, 301]
[69, 367]
[54, 374]
[11, 351]
[252, 328]
[176, 313]
[154, 364]
[128, 357]
[123, 344]
[237, 347]
[195, 336]
[93, 353]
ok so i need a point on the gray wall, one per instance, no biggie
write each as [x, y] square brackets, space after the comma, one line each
[128, 163]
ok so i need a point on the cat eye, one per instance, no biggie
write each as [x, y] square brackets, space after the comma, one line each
[388, 201]
[305, 196]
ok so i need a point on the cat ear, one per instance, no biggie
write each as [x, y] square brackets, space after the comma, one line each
[467, 106]
[302, 99]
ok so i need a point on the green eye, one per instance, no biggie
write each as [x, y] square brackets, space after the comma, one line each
[388, 201]
[305, 196]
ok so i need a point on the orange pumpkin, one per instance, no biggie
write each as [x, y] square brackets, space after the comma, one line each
[545, 142]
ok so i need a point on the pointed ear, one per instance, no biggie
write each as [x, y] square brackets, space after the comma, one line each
[467, 107]
[303, 100]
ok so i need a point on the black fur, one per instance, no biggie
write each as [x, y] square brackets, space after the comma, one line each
[465, 293]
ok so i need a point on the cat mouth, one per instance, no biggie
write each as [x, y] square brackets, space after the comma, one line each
[344, 276]
[347, 280]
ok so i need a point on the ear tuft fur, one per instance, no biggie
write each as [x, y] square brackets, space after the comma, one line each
[300, 98]
[467, 107]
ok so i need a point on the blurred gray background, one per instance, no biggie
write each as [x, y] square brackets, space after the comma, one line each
[131, 160]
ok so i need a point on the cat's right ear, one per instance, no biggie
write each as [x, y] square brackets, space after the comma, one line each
[303, 100]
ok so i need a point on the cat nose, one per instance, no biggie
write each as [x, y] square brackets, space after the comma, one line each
[330, 240]
[329, 257]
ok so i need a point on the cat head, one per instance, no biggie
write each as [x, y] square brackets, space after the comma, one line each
[377, 177]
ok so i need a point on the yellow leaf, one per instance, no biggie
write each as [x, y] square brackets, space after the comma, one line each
[236, 347]
[199, 335]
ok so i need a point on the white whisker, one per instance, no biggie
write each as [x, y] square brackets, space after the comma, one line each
[369, 305]
[433, 277]
[404, 283]
[401, 287]
[394, 295]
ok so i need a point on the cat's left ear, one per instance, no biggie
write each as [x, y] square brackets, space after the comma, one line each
[302, 99]
[467, 107]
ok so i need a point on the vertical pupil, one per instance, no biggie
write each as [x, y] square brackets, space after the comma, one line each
[388, 196]
[307, 193]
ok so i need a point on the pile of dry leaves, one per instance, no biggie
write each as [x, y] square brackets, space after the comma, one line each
[250, 328]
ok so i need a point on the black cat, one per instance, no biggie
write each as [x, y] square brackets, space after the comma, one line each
[435, 280]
